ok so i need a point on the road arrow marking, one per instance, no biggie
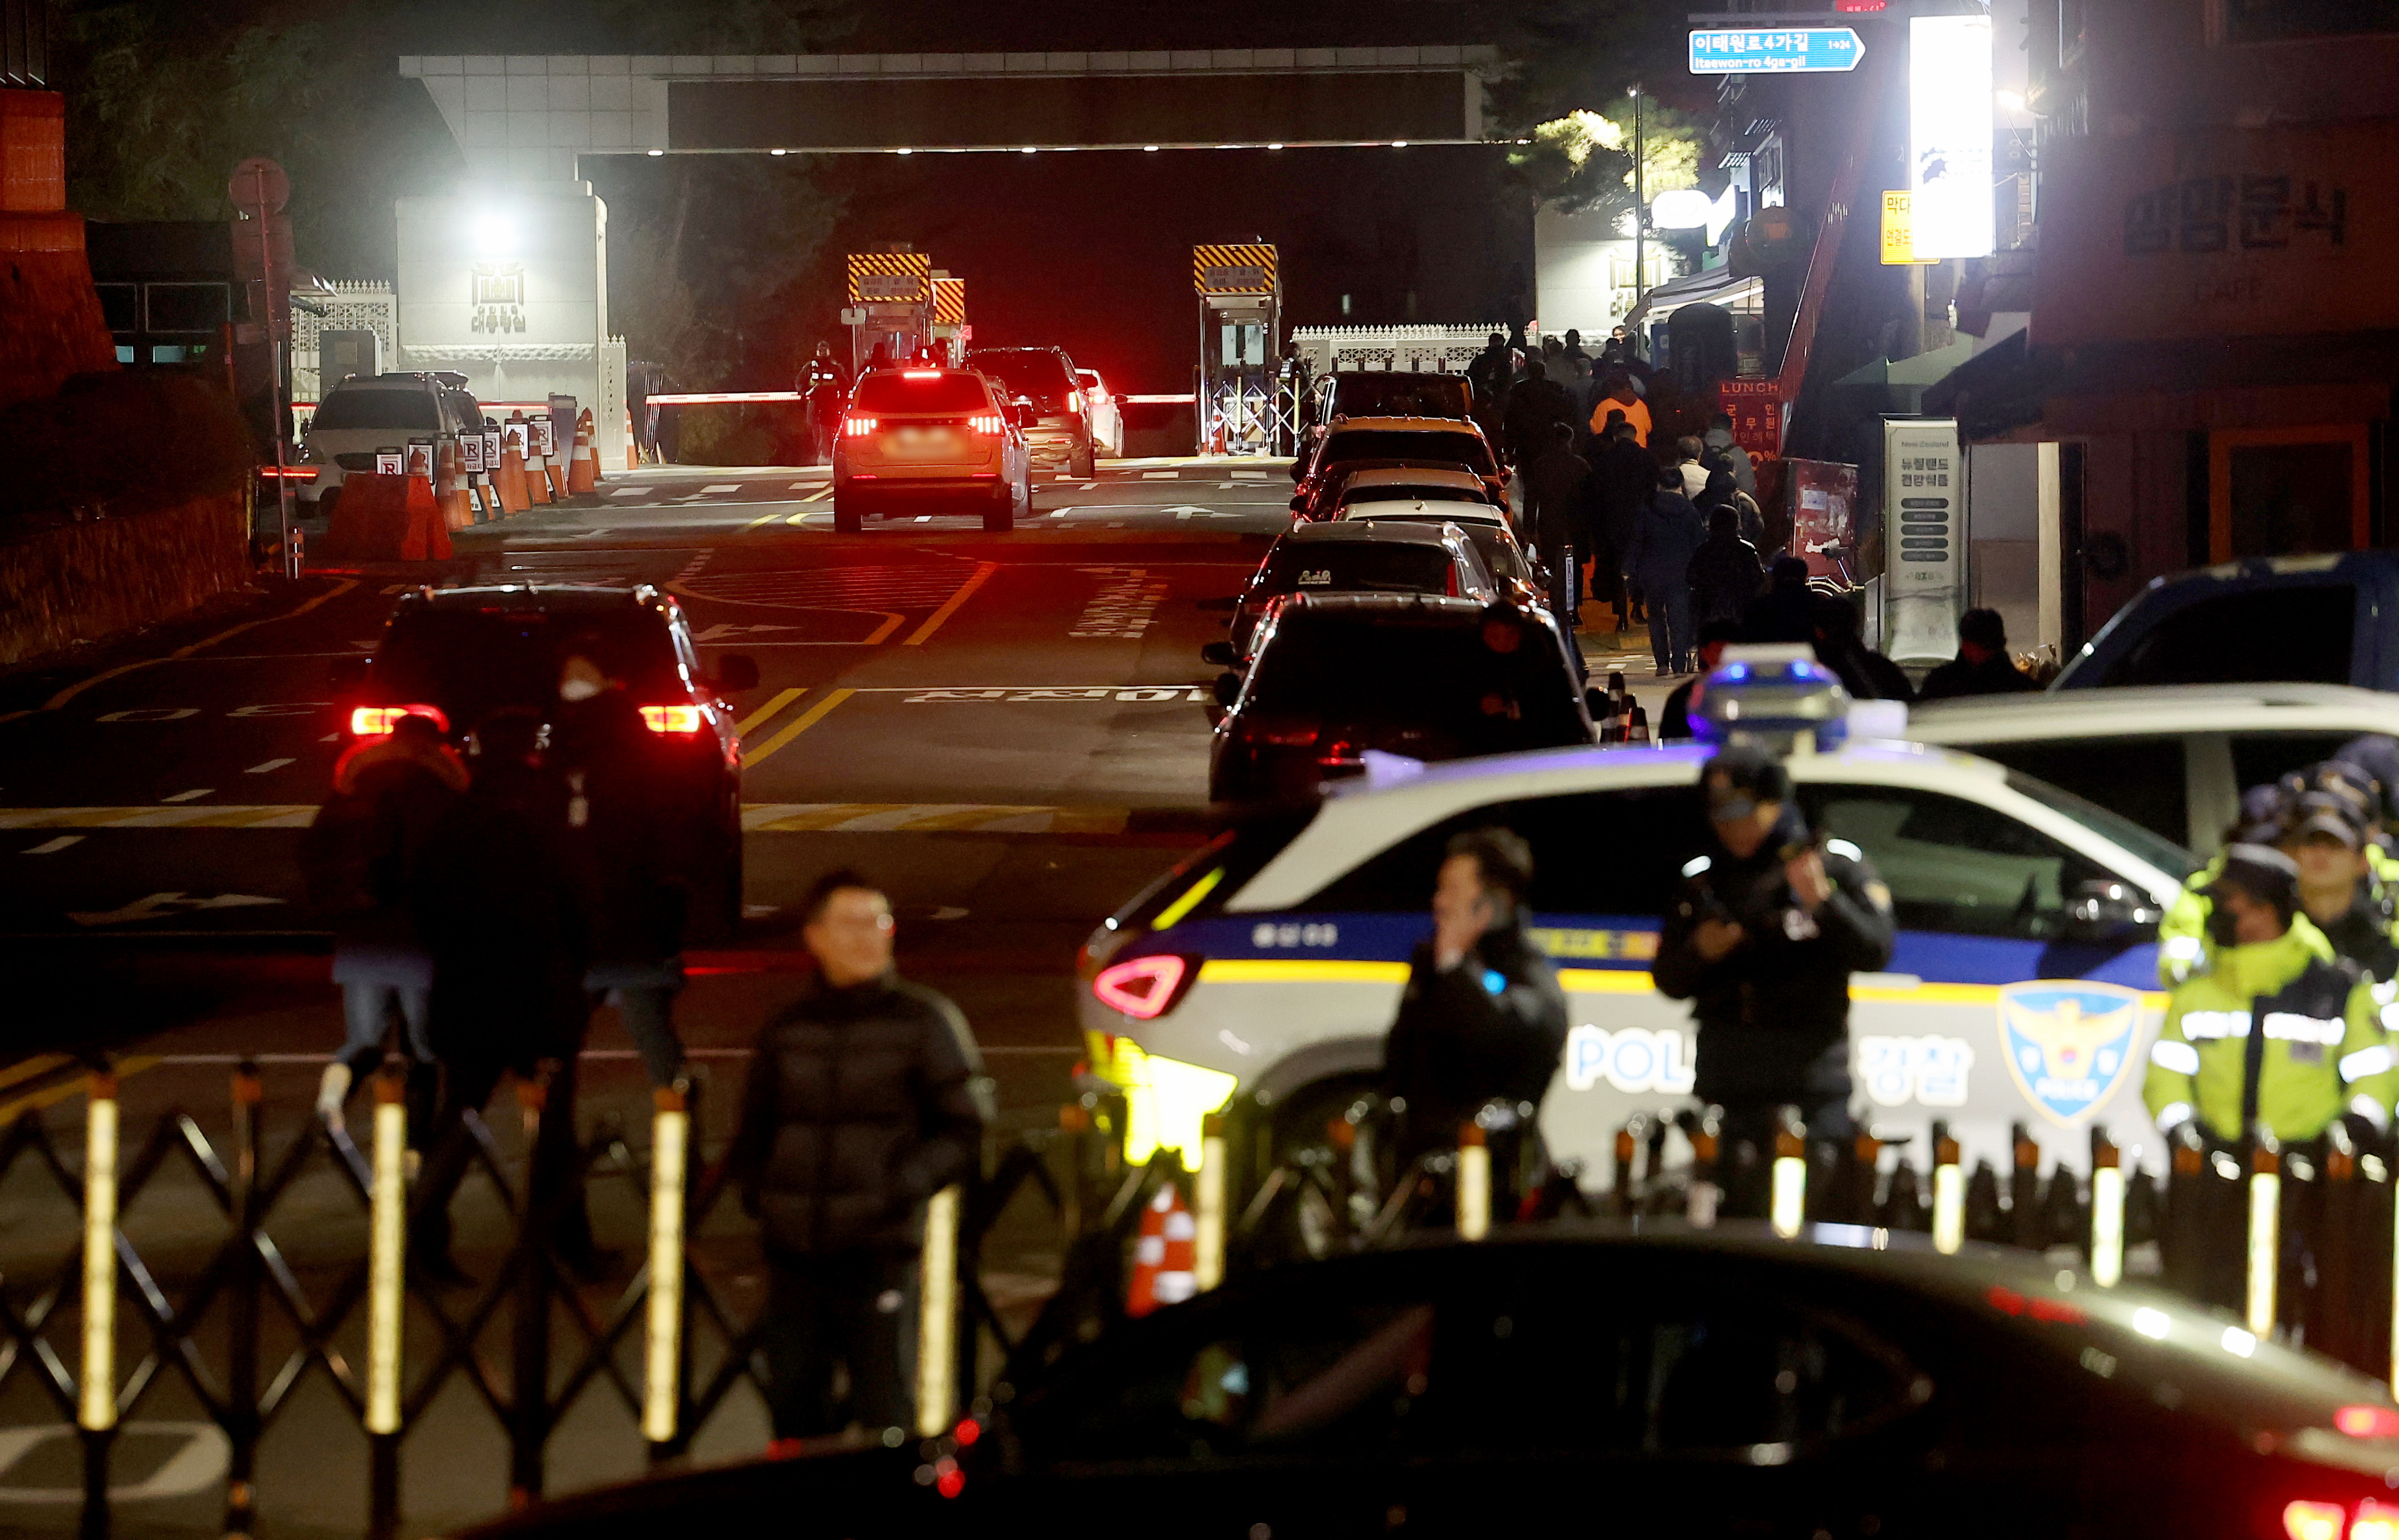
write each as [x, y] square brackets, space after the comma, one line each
[156, 905]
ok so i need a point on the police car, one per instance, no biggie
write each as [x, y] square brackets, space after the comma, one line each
[1263, 972]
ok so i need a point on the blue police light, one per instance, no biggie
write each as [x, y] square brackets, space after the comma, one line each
[1776, 698]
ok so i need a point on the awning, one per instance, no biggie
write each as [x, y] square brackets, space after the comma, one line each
[1691, 289]
[2015, 391]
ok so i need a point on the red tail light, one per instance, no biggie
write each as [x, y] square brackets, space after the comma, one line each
[2367, 1421]
[990, 423]
[2306, 1520]
[375, 721]
[857, 427]
[1144, 987]
[2374, 1521]
[670, 718]
[1281, 732]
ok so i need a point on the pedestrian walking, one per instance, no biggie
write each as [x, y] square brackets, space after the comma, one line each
[1725, 572]
[1558, 515]
[1488, 374]
[1786, 612]
[1761, 938]
[504, 912]
[1982, 666]
[1535, 405]
[1616, 394]
[1622, 477]
[2309, 1048]
[866, 1097]
[1482, 1018]
[1687, 461]
[1666, 535]
[1725, 450]
[360, 859]
[1675, 718]
[620, 848]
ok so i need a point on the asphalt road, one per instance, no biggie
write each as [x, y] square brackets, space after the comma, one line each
[1009, 731]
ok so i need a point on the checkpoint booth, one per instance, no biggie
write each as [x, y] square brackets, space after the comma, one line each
[950, 323]
[1241, 311]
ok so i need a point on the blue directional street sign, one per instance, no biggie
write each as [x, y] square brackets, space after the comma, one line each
[1775, 50]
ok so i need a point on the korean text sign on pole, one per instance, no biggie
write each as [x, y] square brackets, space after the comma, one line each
[1924, 530]
[1950, 108]
[1776, 51]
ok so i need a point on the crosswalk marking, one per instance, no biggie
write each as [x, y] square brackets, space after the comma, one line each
[1161, 475]
[721, 486]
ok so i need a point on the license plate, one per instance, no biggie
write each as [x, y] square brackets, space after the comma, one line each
[925, 443]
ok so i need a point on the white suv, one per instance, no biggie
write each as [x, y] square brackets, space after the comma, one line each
[359, 416]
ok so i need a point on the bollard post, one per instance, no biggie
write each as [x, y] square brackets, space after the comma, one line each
[1788, 1205]
[1208, 1195]
[662, 1379]
[1699, 1203]
[2107, 1239]
[529, 1324]
[2265, 1238]
[2182, 1247]
[1473, 1183]
[937, 1315]
[2023, 1189]
[1628, 1142]
[1865, 1163]
[2333, 1323]
[1948, 1193]
[387, 1298]
[96, 1398]
[241, 1311]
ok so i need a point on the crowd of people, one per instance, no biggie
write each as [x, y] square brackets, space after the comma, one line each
[1637, 496]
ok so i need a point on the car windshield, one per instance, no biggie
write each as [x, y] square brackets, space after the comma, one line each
[1400, 491]
[2153, 848]
[385, 411]
[1399, 395]
[1372, 566]
[1034, 372]
[1445, 677]
[922, 391]
[1374, 443]
[473, 662]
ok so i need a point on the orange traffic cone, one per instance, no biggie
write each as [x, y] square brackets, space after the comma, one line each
[632, 448]
[583, 471]
[536, 466]
[1163, 1256]
[427, 537]
[514, 499]
[450, 487]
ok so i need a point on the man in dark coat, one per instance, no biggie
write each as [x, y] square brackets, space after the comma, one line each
[1482, 1018]
[1622, 475]
[1666, 535]
[1982, 666]
[1724, 572]
[866, 1097]
[1489, 372]
[1786, 611]
[1866, 673]
[1558, 522]
[1535, 405]
[1762, 938]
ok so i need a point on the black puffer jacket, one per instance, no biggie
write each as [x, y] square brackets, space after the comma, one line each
[1492, 1026]
[1773, 1013]
[861, 1103]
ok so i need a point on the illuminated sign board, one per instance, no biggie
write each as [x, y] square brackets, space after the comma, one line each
[1949, 113]
[1776, 51]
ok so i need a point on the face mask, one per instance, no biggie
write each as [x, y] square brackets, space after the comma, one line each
[2223, 928]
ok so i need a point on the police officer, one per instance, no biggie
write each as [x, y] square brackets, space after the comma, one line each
[1482, 1018]
[826, 388]
[2340, 890]
[1762, 938]
[2278, 1035]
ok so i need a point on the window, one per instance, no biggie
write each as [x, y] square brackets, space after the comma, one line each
[1399, 395]
[379, 411]
[1602, 853]
[2259, 757]
[1373, 444]
[188, 306]
[941, 393]
[473, 662]
[120, 305]
[1447, 694]
[1319, 1374]
[1371, 567]
[1953, 865]
[2291, 632]
[1034, 372]
[2141, 778]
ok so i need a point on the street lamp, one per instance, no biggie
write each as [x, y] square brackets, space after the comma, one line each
[1684, 208]
[1640, 205]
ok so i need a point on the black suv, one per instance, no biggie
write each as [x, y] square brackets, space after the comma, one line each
[460, 655]
[1421, 677]
[1058, 428]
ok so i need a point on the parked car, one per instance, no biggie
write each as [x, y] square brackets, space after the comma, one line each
[1107, 419]
[1417, 676]
[1057, 428]
[359, 416]
[2327, 619]
[457, 655]
[1370, 481]
[1424, 440]
[917, 438]
[1380, 393]
[1484, 528]
[1354, 558]
[2174, 758]
[1581, 1379]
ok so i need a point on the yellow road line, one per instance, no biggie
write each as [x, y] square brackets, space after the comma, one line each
[966, 591]
[768, 518]
[40, 1064]
[769, 709]
[891, 623]
[816, 497]
[80, 1085]
[808, 719]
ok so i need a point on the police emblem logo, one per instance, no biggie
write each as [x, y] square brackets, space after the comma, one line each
[2070, 1044]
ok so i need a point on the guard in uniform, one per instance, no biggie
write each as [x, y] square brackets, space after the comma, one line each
[1762, 938]
[2339, 889]
[826, 389]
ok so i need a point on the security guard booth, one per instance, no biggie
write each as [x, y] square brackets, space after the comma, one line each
[950, 314]
[890, 303]
[1240, 312]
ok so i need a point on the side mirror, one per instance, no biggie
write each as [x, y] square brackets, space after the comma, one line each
[346, 673]
[735, 673]
[2105, 912]
[1228, 688]
[1218, 653]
